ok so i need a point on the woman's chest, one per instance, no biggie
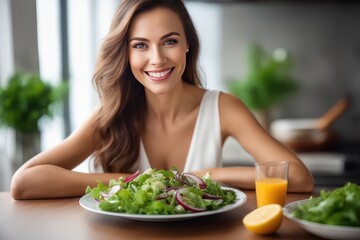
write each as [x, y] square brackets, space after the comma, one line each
[167, 148]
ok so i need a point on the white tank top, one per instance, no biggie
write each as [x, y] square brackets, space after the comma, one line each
[205, 147]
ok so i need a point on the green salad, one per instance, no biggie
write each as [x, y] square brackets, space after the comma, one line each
[338, 207]
[161, 192]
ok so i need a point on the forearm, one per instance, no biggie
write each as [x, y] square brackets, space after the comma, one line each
[240, 177]
[299, 178]
[49, 181]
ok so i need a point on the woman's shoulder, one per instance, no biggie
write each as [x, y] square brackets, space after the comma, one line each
[225, 100]
[229, 101]
[232, 110]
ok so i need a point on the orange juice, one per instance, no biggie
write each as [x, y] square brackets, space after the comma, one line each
[270, 190]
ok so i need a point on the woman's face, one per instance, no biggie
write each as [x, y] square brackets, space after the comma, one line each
[157, 50]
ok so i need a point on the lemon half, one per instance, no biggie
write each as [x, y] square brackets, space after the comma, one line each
[264, 220]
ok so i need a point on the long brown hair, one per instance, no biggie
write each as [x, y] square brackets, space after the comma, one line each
[123, 105]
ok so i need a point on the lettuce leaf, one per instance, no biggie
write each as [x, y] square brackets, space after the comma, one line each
[338, 207]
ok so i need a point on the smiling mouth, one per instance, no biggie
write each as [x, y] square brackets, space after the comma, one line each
[159, 74]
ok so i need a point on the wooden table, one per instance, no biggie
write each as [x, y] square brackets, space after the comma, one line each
[65, 219]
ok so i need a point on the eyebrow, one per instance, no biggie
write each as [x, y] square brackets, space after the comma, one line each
[163, 37]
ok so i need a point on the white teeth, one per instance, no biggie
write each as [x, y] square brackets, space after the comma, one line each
[159, 74]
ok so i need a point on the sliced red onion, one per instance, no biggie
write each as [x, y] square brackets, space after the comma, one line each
[132, 177]
[191, 177]
[114, 189]
[212, 197]
[105, 195]
[171, 191]
[172, 188]
[185, 205]
[182, 178]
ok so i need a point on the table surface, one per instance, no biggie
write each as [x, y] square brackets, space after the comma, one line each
[66, 219]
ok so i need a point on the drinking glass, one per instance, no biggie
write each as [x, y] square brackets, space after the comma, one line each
[271, 182]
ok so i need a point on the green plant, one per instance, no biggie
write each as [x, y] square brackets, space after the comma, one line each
[267, 81]
[25, 99]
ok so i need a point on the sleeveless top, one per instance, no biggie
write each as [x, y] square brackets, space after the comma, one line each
[205, 147]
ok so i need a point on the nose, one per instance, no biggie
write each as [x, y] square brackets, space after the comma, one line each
[157, 57]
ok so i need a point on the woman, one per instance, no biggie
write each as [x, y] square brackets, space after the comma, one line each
[153, 113]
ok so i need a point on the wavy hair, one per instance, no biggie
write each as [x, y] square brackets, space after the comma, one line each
[121, 115]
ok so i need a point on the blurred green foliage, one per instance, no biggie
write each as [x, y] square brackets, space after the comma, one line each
[26, 98]
[268, 79]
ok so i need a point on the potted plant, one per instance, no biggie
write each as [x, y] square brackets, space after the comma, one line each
[267, 81]
[24, 100]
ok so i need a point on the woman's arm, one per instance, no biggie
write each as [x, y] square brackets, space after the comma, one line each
[49, 175]
[237, 121]
[51, 181]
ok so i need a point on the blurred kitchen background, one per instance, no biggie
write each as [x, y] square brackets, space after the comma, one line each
[59, 39]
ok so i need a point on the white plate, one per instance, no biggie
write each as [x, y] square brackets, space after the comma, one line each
[322, 230]
[92, 205]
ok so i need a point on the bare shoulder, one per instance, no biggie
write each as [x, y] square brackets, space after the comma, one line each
[234, 114]
[230, 105]
[228, 100]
